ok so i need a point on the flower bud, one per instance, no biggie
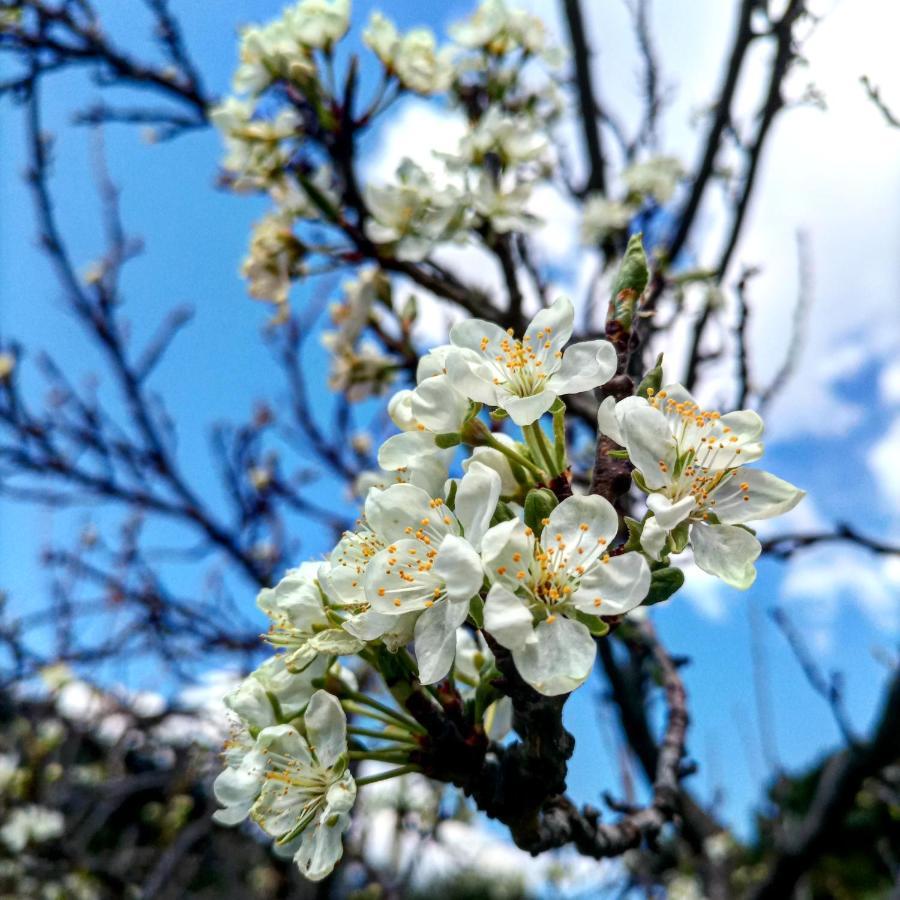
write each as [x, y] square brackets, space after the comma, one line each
[539, 503]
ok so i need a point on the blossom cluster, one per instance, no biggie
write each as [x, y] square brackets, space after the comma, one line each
[450, 567]
[288, 123]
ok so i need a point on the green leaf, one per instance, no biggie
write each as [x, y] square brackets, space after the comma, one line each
[664, 583]
[451, 496]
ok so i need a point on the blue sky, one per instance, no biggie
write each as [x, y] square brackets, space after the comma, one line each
[839, 410]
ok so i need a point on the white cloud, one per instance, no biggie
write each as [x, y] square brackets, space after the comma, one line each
[884, 461]
[818, 579]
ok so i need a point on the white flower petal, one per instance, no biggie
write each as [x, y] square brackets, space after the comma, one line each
[320, 849]
[497, 461]
[438, 406]
[404, 506]
[507, 619]
[499, 549]
[435, 638]
[767, 496]
[585, 366]
[608, 423]
[727, 552]
[525, 410]
[653, 538]
[566, 521]
[649, 442]
[472, 376]
[470, 333]
[476, 500]
[559, 318]
[400, 450]
[668, 514]
[459, 567]
[620, 584]
[326, 727]
[560, 658]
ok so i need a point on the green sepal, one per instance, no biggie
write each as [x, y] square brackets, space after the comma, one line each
[539, 503]
[558, 407]
[502, 513]
[635, 530]
[652, 381]
[678, 537]
[638, 479]
[617, 454]
[498, 414]
[664, 583]
[476, 611]
[448, 439]
[451, 496]
[594, 624]
[472, 411]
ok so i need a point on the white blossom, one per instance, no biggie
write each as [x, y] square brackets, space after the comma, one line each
[31, 824]
[318, 24]
[308, 790]
[513, 139]
[429, 570]
[270, 693]
[300, 621]
[496, 28]
[601, 217]
[545, 590]
[434, 407]
[524, 377]
[693, 462]
[276, 259]
[503, 203]
[413, 214]
[656, 178]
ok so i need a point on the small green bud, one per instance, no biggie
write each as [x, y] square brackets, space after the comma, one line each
[664, 583]
[474, 432]
[410, 310]
[539, 503]
[631, 280]
[652, 381]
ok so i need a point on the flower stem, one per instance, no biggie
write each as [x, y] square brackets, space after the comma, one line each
[559, 438]
[383, 776]
[395, 716]
[383, 736]
[509, 453]
[397, 756]
[534, 434]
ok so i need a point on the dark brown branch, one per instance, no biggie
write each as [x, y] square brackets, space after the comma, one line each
[587, 99]
[784, 546]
